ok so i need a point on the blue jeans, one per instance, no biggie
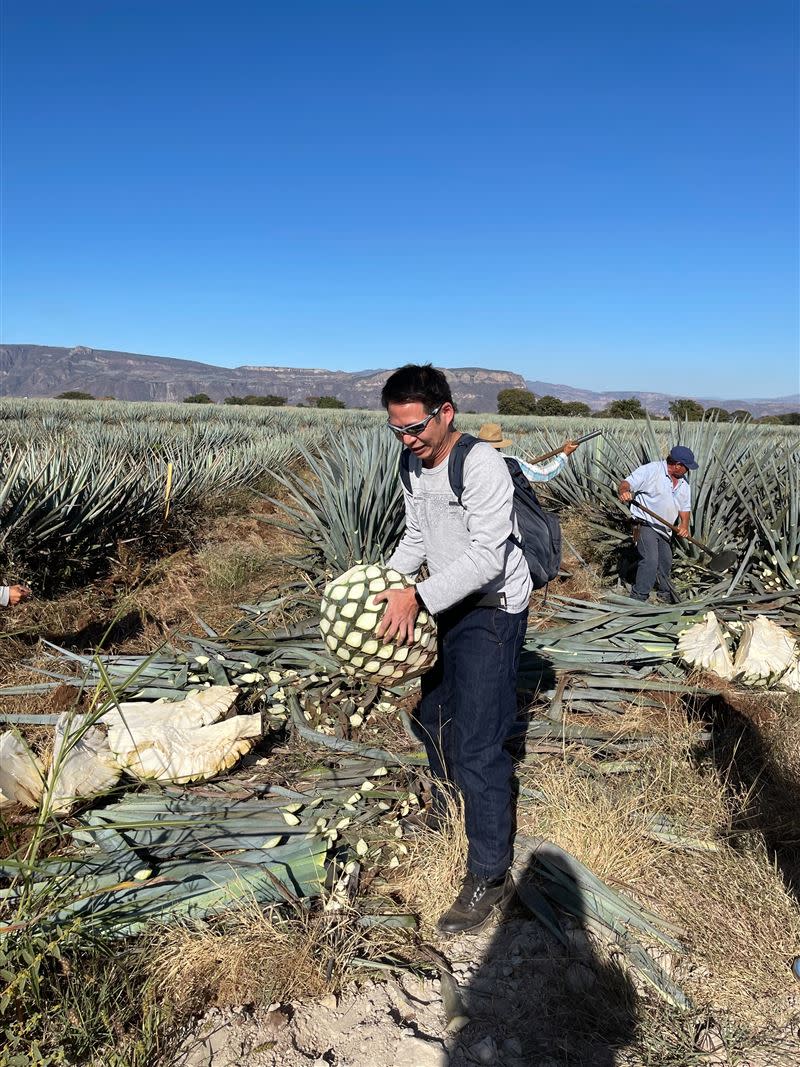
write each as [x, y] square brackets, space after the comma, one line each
[467, 711]
[655, 564]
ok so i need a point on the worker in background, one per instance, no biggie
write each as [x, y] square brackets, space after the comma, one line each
[663, 487]
[538, 472]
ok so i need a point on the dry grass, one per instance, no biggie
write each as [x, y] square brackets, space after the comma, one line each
[742, 925]
[252, 956]
[437, 861]
[594, 819]
[248, 957]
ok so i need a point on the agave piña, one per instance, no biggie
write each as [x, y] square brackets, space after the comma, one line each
[349, 622]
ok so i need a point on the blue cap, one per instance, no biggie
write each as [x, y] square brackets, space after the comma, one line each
[684, 455]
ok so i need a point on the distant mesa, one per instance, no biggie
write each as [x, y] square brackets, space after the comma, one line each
[41, 370]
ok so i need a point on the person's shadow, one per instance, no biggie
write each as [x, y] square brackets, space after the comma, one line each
[534, 1001]
[763, 784]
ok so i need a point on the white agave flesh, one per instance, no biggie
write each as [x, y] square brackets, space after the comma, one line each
[187, 754]
[765, 651]
[82, 764]
[703, 645]
[131, 718]
[791, 680]
[181, 741]
[21, 772]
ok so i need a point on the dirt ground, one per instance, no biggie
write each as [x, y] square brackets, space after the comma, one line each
[517, 984]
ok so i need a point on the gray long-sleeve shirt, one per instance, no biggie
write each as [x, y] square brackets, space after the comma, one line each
[467, 548]
[5, 592]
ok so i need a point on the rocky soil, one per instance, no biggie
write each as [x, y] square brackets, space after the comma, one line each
[529, 1001]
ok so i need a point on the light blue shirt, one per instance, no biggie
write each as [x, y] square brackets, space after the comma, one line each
[542, 472]
[656, 491]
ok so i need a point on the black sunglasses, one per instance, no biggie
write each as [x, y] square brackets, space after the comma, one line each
[416, 428]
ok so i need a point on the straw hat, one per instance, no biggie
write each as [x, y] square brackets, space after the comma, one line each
[493, 434]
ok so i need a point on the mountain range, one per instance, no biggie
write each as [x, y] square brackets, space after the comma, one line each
[44, 371]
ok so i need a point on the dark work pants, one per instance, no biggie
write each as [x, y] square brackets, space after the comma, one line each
[655, 564]
[468, 708]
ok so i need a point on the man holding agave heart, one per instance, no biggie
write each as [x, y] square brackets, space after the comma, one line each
[478, 589]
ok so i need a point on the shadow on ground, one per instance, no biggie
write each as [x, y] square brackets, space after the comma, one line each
[763, 787]
[534, 1002]
[88, 636]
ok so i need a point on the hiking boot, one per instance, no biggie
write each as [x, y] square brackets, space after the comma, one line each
[477, 899]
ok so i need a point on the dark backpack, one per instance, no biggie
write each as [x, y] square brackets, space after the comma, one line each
[540, 530]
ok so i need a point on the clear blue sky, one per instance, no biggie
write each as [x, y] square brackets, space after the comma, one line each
[601, 194]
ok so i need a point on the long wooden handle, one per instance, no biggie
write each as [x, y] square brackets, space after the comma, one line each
[555, 452]
[541, 459]
[666, 522]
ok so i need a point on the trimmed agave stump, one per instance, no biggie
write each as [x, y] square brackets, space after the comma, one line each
[349, 621]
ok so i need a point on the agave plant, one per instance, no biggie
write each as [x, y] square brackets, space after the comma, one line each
[348, 502]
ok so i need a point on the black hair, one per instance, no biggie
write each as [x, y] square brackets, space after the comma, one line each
[417, 383]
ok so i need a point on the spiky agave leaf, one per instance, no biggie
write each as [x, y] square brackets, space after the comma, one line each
[349, 503]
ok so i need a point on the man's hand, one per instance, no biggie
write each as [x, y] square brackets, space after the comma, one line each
[17, 593]
[569, 447]
[624, 493]
[400, 614]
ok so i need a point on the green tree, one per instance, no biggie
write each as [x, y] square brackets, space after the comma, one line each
[720, 414]
[330, 402]
[741, 416]
[577, 407]
[254, 400]
[630, 408]
[198, 398]
[516, 402]
[74, 394]
[686, 409]
[549, 405]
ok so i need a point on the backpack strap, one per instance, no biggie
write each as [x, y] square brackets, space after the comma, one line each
[405, 470]
[455, 465]
[515, 471]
